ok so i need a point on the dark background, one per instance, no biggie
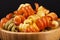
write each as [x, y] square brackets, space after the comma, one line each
[7, 6]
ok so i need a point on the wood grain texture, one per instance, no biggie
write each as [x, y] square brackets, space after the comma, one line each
[49, 35]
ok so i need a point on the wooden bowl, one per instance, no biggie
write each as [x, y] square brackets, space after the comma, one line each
[49, 35]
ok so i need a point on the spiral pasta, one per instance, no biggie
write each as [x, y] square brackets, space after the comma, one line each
[42, 11]
[10, 26]
[28, 28]
[25, 9]
[23, 27]
[33, 17]
[26, 19]
[40, 23]
[45, 11]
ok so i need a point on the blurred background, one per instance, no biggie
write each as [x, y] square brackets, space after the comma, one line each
[7, 6]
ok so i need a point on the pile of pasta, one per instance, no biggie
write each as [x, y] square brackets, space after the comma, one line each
[26, 19]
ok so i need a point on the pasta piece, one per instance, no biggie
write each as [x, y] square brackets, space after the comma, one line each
[36, 27]
[37, 6]
[52, 15]
[17, 20]
[4, 20]
[28, 21]
[23, 27]
[13, 28]
[9, 16]
[33, 17]
[45, 11]
[54, 24]
[20, 7]
[7, 24]
[25, 12]
[10, 26]
[40, 13]
[40, 24]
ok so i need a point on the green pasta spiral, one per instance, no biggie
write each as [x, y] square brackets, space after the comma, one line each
[10, 26]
